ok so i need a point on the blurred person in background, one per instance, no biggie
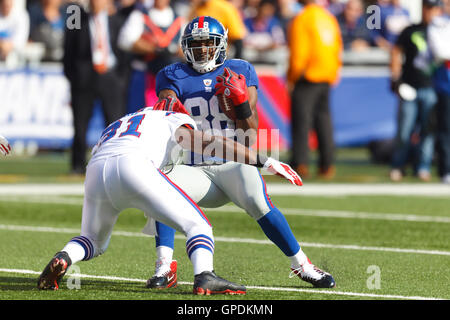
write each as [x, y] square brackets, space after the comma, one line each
[250, 8]
[96, 69]
[47, 19]
[355, 35]
[240, 6]
[152, 35]
[14, 29]
[225, 12]
[124, 8]
[439, 42]
[265, 32]
[315, 46]
[393, 18]
[336, 7]
[287, 10]
[411, 78]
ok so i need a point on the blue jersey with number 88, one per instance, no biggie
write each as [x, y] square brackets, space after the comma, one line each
[196, 91]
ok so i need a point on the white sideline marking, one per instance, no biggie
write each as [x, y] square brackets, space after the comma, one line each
[346, 214]
[226, 239]
[312, 189]
[346, 189]
[330, 292]
[285, 211]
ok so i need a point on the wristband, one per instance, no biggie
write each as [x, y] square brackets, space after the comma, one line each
[260, 160]
[243, 111]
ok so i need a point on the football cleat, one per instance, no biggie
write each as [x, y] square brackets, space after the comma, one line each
[163, 279]
[207, 283]
[54, 272]
[312, 274]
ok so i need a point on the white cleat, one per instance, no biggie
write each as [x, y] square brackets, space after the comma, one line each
[312, 274]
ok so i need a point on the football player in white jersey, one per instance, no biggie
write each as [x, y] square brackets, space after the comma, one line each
[125, 171]
[196, 83]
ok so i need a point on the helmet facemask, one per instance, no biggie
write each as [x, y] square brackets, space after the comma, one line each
[205, 51]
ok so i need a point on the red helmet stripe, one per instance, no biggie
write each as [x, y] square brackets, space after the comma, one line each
[200, 22]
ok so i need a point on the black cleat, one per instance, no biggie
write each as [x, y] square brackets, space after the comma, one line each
[207, 283]
[166, 280]
[54, 271]
[312, 274]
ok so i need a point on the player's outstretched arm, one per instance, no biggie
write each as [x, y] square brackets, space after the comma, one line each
[217, 146]
[167, 93]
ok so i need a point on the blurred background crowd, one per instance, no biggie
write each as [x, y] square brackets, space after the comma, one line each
[34, 29]
[142, 36]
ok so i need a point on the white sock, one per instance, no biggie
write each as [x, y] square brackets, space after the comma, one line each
[164, 253]
[75, 251]
[202, 260]
[299, 259]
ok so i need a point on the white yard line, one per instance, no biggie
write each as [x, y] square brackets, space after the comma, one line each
[286, 211]
[42, 189]
[348, 189]
[308, 189]
[317, 291]
[346, 214]
[231, 240]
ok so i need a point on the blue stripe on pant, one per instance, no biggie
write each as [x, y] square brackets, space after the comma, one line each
[199, 241]
[87, 246]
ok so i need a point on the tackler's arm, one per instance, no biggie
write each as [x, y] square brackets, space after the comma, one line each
[217, 146]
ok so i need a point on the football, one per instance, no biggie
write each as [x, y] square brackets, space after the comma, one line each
[226, 105]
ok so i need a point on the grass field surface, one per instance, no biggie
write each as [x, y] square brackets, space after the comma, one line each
[377, 247]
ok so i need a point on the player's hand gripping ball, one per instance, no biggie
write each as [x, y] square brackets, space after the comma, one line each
[231, 91]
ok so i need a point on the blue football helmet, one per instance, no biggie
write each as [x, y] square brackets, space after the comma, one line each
[204, 44]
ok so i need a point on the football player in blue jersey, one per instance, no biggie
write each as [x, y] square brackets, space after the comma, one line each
[212, 182]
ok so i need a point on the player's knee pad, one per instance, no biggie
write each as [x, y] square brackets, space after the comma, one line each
[246, 188]
[256, 208]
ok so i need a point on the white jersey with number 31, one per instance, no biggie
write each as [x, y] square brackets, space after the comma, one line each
[146, 132]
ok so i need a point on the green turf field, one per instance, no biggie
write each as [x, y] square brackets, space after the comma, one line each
[389, 247]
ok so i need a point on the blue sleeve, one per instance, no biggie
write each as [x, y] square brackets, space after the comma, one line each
[244, 67]
[164, 82]
[252, 79]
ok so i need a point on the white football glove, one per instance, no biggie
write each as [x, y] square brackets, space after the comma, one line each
[283, 170]
[5, 147]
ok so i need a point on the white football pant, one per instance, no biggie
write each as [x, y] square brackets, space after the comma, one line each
[216, 185]
[132, 181]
